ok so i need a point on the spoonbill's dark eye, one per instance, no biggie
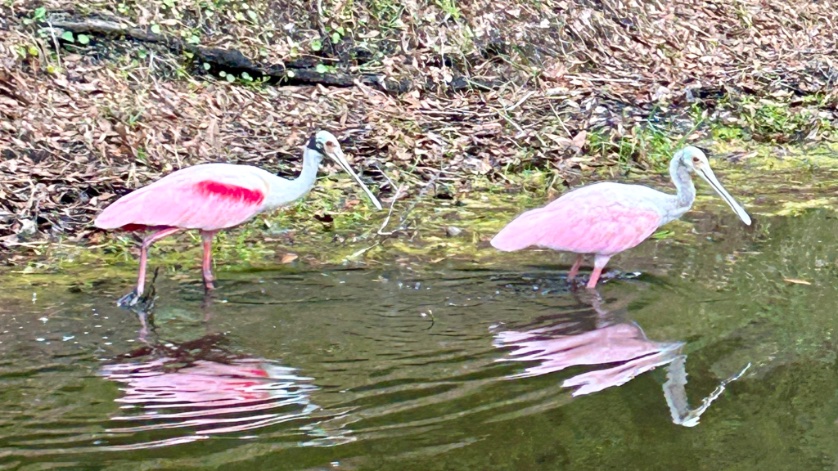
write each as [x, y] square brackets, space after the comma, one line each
[696, 160]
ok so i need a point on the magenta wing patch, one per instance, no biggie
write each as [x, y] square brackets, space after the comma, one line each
[229, 192]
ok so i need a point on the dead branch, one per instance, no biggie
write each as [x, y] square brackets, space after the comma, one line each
[300, 72]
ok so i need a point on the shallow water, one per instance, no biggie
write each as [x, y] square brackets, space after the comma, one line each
[453, 365]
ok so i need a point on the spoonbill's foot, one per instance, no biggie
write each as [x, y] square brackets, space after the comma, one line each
[137, 303]
[578, 281]
[129, 300]
[581, 281]
[208, 286]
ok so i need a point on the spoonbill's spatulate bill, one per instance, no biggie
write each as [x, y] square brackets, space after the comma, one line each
[213, 197]
[607, 218]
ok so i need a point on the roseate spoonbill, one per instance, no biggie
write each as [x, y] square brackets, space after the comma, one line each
[212, 197]
[607, 218]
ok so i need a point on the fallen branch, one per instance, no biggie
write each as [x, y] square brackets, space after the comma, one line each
[298, 72]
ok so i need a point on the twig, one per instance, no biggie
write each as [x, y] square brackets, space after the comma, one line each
[521, 101]
[55, 43]
[389, 214]
[362, 251]
[430, 314]
[416, 200]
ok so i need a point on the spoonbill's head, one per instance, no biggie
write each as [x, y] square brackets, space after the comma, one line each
[325, 144]
[694, 160]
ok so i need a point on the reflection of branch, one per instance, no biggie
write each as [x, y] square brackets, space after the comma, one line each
[676, 395]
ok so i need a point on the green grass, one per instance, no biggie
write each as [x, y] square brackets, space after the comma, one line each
[649, 145]
[777, 121]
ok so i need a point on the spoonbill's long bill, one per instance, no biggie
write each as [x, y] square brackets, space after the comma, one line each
[212, 197]
[607, 218]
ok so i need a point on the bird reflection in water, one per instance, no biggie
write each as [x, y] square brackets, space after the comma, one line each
[202, 387]
[609, 340]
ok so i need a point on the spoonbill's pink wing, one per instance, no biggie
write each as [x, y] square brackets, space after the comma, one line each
[602, 219]
[207, 197]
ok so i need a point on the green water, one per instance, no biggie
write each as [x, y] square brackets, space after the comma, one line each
[452, 365]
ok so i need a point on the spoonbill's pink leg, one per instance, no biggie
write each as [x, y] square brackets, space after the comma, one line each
[144, 254]
[574, 270]
[599, 263]
[207, 236]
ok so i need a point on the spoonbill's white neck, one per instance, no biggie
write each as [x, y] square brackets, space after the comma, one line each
[682, 178]
[311, 164]
[323, 144]
[284, 191]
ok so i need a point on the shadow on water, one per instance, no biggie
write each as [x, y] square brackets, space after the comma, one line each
[444, 367]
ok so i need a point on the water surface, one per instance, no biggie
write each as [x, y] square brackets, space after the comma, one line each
[450, 365]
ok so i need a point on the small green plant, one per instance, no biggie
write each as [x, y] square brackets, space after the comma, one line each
[81, 38]
[388, 13]
[726, 133]
[190, 36]
[39, 14]
[663, 234]
[27, 50]
[244, 78]
[449, 7]
[227, 76]
[337, 35]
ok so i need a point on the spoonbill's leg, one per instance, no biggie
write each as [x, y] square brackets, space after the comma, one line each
[599, 263]
[574, 270]
[206, 267]
[144, 255]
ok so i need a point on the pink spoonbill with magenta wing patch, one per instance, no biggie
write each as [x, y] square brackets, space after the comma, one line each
[607, 218]
[213, 197]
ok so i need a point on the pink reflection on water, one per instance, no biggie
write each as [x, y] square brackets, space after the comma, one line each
[622, 343]
[617, 346]
[180, 393]
[157, 390]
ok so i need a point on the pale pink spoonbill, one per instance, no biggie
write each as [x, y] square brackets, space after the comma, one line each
[607, 218]
[212, 197]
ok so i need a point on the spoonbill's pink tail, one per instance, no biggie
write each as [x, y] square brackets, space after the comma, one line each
[526, 230]
[122, 212]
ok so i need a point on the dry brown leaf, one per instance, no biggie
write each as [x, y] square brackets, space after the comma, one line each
[288, 258]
